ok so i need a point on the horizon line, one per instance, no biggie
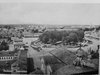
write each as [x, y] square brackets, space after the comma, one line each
[47, 24]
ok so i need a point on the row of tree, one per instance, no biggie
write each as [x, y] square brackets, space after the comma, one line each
[91, 29]
[51, 37]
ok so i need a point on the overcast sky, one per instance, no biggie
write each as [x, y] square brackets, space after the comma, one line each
[49, 13]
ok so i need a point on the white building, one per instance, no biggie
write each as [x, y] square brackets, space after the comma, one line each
[6, 58]
[28, 38]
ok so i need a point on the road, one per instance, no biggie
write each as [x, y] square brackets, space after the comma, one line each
[34, 54]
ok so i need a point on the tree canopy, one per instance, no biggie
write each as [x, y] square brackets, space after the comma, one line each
[52, 37]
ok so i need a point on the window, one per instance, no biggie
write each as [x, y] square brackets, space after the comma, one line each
[2, 57]
[9, 58]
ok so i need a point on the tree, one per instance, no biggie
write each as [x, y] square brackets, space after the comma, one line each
[4, 43]
[4, 46]
[68, 39]
[30, 65]
[65, 36]
[80, 34]
[1, 48]
[73, 37]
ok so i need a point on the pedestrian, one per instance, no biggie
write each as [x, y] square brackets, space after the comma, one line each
[80, 54]
[77, 61]
[49, 70]
[89, 50]
[43, 65]
[83, 63]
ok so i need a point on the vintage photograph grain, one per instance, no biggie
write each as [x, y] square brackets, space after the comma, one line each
[49, 38]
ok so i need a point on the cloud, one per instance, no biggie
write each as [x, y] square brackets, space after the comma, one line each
[49, 13]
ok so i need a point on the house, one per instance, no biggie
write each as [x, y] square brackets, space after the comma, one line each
[18, 40]
[15, 39]
[7, 56]
[27, 34]
[18, 45]
[29, 37]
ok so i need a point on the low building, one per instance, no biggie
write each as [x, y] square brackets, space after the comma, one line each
[27, 34]
[18, 45]
[16, 40]
[29, 37]
[7, 56]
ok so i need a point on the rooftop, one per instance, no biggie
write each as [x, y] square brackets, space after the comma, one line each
[5, 53]
[27, 33]
[18, 43]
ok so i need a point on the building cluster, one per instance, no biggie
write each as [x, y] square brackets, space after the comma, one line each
[18, 44]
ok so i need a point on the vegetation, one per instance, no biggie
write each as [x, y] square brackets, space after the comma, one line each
[30, 65]
[23, 60]
[10, 32]
[6, 65]
[98, 28]
[91, 29]
[51, 37]
[35, 30]
[4, 46]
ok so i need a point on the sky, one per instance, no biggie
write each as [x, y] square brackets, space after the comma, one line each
[49, 13]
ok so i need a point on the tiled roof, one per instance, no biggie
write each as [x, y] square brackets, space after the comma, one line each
[18, 40]
[27, 33]
[18, 43]
[10, 53]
